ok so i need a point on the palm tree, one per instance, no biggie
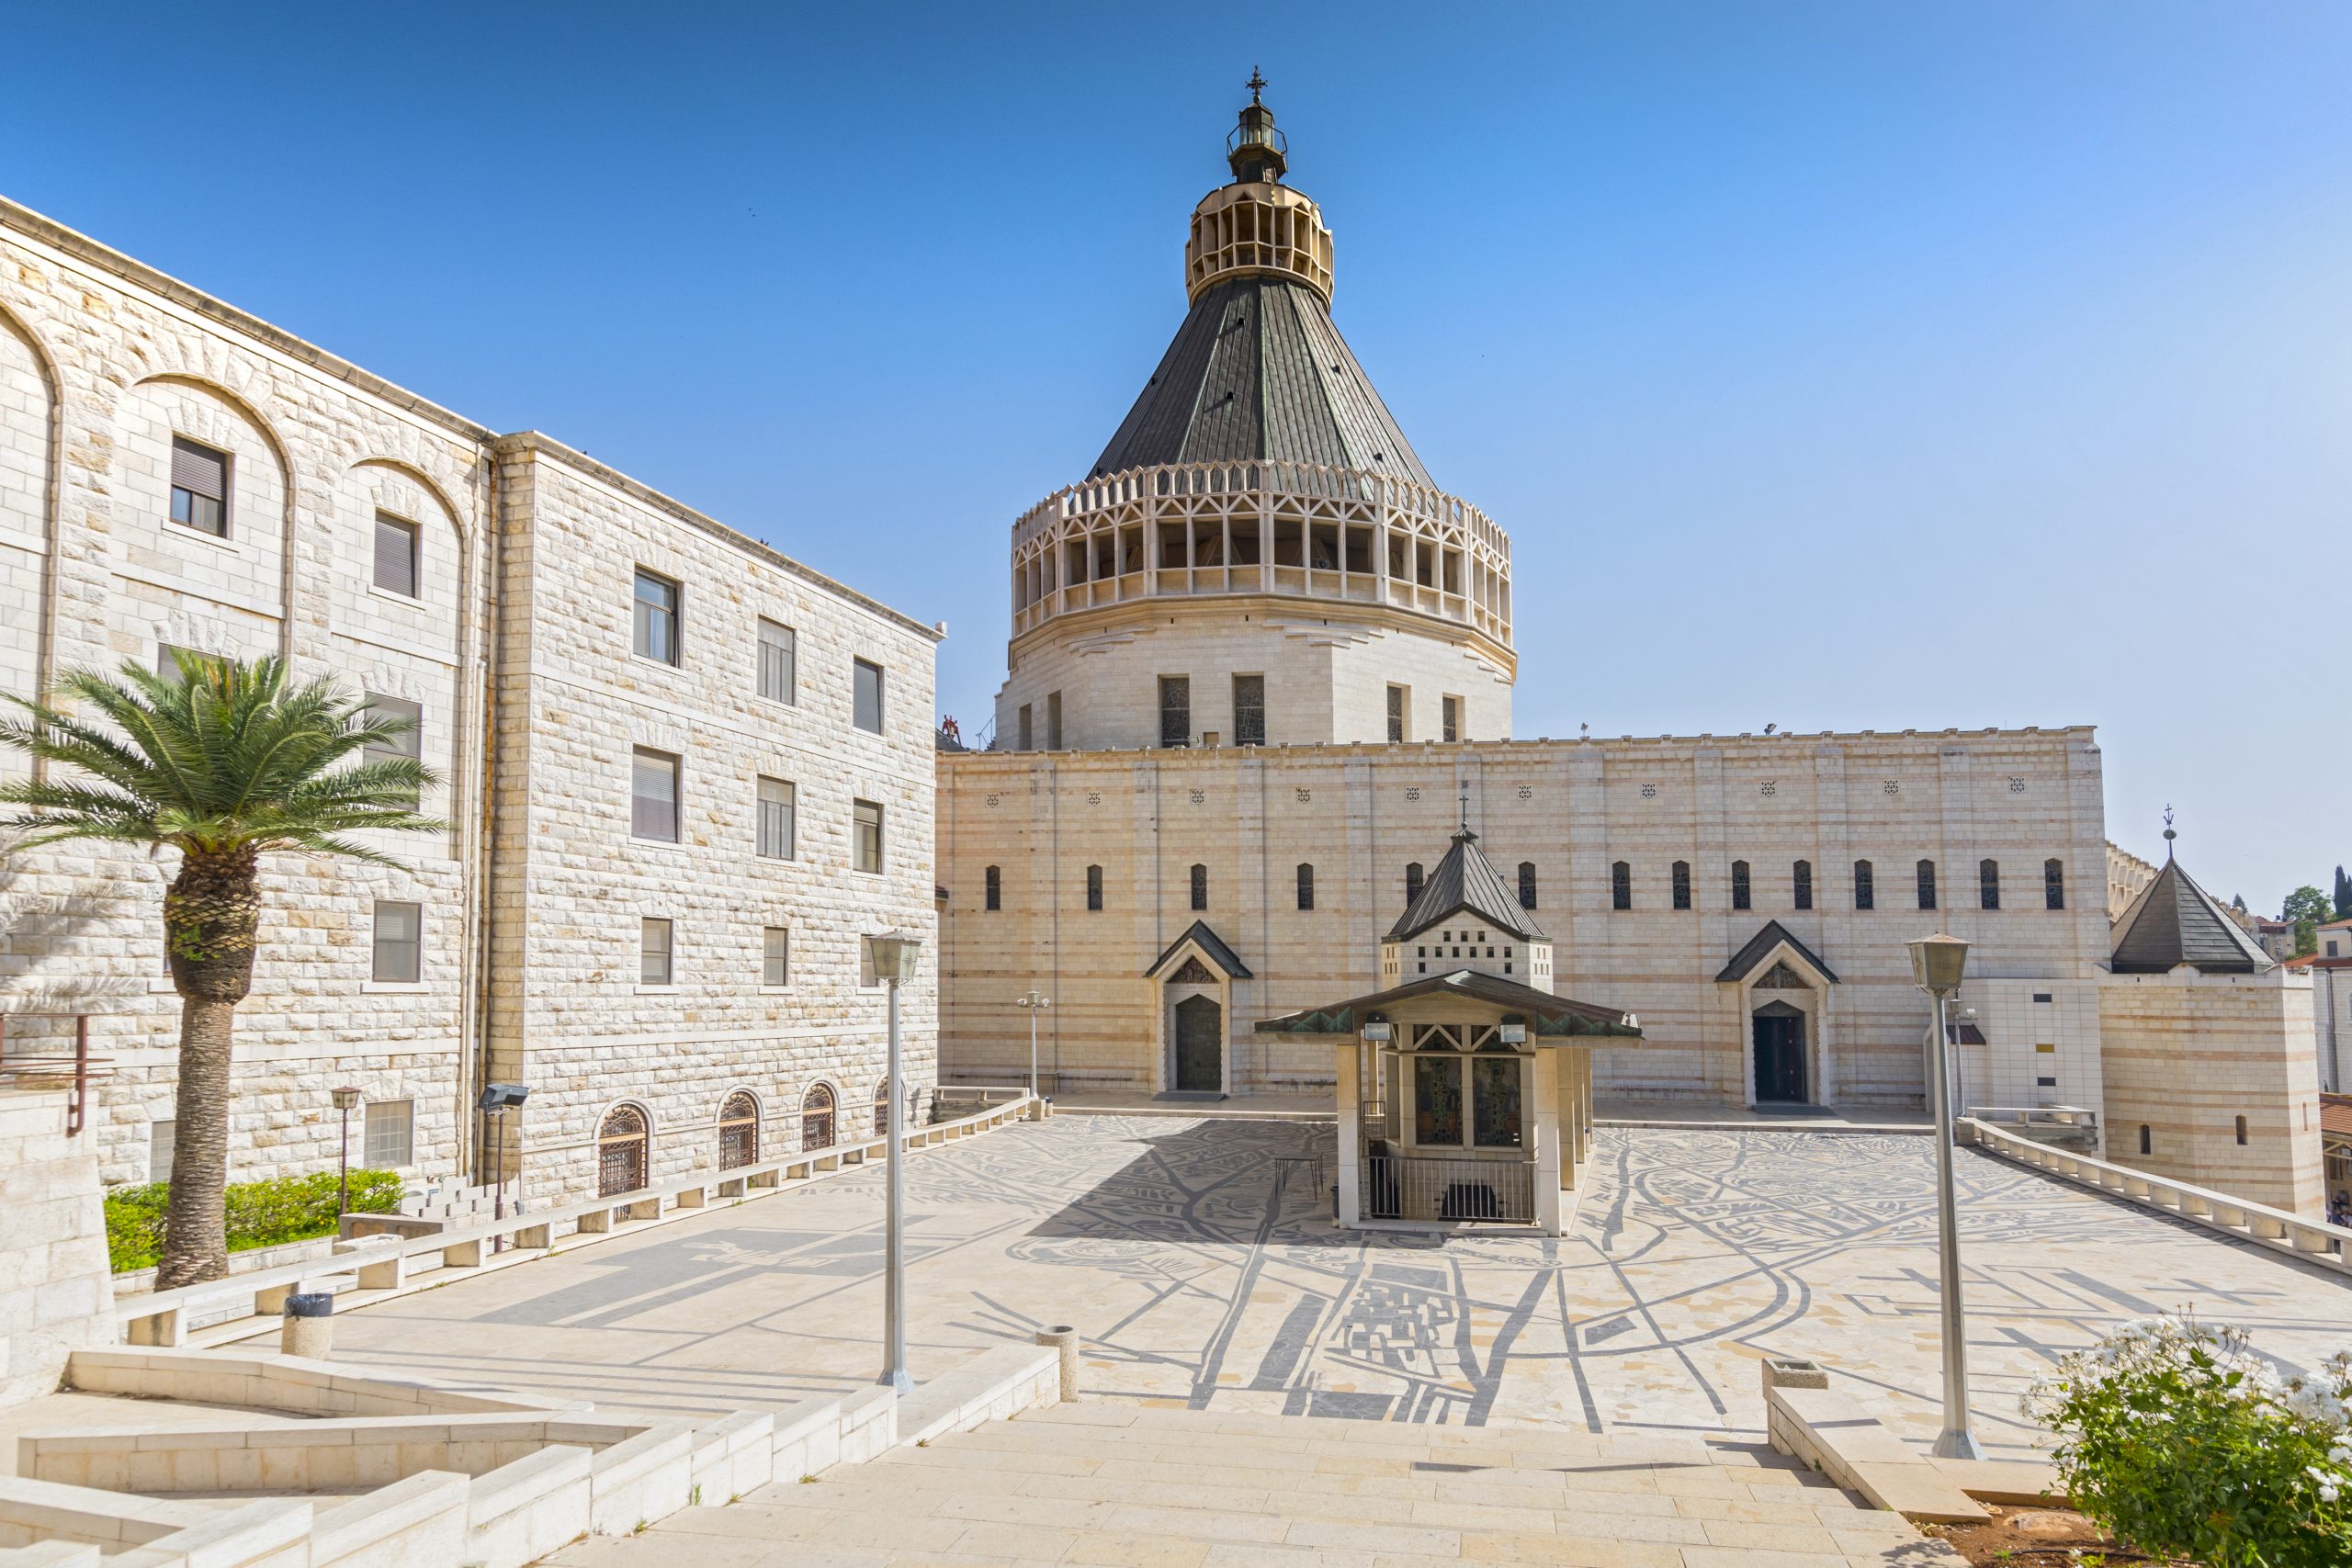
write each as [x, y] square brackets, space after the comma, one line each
[223, 763]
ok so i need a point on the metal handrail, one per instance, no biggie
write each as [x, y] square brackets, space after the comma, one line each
[1418, 1185]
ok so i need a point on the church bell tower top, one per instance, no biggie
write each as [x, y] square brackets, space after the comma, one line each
[1257, 226]
[1255, 148]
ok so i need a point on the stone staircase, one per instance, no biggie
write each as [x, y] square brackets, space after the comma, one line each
[1119, 1483]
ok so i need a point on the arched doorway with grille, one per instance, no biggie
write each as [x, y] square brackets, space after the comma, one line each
[624, 1150]
[817, 1118]
[738, 1130]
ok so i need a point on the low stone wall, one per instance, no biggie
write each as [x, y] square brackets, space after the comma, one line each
[53, 1272]
[289, 1384]
[1833, 1432]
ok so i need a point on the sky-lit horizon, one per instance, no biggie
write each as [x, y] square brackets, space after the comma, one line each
[1838, 366]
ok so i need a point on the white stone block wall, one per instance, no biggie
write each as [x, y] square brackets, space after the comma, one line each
[53, 1278]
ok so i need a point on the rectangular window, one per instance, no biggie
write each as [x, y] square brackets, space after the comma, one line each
[1988, 885]
[1865, 886]
[1053, 721]
[1200, 887]
[409, 743]
[1027, 741]
[1620, 885]
[778, 798]
[1175, 710]
[866, 680]
[993, 888]
[1094, 888]
[775, 956]
[1249, 710]
[656, 611]
[1802, 876]
[161, 1139]
[199, 487]
[1927, 885]
[866, 822]
[167, 662]
[395, 555]
[391, 1138]
[2053, 884]
[1436, 1101]
[1450, 716]
[1682, 884]
[400, 941]
[779, 651]
[1306, 886]
[1395, 716]
[653, 795]
[653, 952]
[1741, 890]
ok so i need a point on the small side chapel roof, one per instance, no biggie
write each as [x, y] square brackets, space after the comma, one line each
[1773, 934]
[1466, 881]
[2174, 921]
[1211, 946]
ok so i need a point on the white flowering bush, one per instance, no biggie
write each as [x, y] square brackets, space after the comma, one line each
[2179, 1439]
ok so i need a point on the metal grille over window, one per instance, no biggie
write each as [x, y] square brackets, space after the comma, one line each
[817, 1118]
[1927, 885]
[1200, 887]
[775, 956]
[867, 818]
[1094, 888]
[1865, 886]
[1306, 886]
[1988, 883]
[2053, 884]
[1450, 715]
[621, 1151]
[882, 1109]
[395, 555]
[776, 802]
[653, 952]
[1800, 878]
[778, 652]
[1249, 710]
[656, 615]
[389, 1140]
[866, 696]
[1527, 885]
[739, 1130]
[1413, 879]
[1395, 716]
[653, 795]
[1682, 884]
[1620, 885]
[199, 487]
[399, 929]
[1742, 895]
[1175, 710]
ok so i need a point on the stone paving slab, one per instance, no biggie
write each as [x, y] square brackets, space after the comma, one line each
[1197, 1257]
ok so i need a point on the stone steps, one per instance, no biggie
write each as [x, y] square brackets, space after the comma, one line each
[1117, 1484]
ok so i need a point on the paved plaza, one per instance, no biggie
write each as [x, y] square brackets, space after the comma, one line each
[1197, 1257]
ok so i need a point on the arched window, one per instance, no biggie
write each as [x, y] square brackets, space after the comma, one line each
[1527, 885]
[1927, 885]
[2241, 1131]
[1620, 885]
[1865, 886]
[1988, 885]
[1742, 895]
[1199, 886]
[816, 1117]
[2147, 1145]
[2053, 884]
[1801, 882]
[623, 1142]
[1306, 886]
[882, 1109]
[738, 1130]
[1094, 888]
[1413, 880]
[1682, 884]
[995, 889]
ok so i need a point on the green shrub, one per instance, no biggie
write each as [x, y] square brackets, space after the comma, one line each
[260, 1213]
[2183, 1441]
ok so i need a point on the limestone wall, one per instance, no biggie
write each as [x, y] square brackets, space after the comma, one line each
[1572, 809]
[2187, 1055]
[54, 1292]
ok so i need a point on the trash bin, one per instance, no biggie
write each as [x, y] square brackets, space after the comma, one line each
[309, 1325]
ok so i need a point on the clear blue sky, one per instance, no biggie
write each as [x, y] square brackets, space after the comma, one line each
[1840, 365]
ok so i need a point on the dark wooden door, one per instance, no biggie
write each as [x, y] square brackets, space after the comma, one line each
[1200, 1044]
[1780, 1058]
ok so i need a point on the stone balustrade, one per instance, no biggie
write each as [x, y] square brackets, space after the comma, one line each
[2315, 1241]
[375, 1268]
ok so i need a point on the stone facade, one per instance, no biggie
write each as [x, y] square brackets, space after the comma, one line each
[53, 1294]
[514, 642]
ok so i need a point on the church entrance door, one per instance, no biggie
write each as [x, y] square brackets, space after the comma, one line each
[1200, 1044]
[1780, 1054]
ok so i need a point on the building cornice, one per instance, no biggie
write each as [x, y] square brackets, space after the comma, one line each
[1285, 614]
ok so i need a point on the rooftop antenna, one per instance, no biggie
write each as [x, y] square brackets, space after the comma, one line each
[2169, 834]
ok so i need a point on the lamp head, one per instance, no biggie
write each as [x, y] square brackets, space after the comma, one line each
[344, 1098]
[502, 1097]
[1938, 963]
[895, 953]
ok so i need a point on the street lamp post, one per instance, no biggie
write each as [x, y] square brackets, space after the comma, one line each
[1936, 964]
[496, 1100]
[894, 961]
[1033, 1003]
[344, 1099]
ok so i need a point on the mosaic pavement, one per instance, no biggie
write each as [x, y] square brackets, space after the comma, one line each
[1196, 1258]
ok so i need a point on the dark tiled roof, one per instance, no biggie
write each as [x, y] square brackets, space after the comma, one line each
[1547, 1014]
[2175, 921]
[1773, 934]
[1212, 944]
[1466, 880]
[1256, 372]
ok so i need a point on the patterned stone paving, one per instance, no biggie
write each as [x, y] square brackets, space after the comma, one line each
[1197, 1259]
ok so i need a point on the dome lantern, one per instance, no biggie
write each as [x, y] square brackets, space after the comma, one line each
[1255, 148]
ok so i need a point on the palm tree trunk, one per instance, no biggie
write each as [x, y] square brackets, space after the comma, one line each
[210, 914]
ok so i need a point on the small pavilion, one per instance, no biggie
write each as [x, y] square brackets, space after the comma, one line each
[1466, 1085]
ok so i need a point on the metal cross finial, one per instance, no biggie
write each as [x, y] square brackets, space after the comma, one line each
[1466, 808]
[1257, 83]
[2169, 834]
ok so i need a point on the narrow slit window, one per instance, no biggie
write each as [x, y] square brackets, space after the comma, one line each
[1927, 885]
[1742, 893]
[778, 802]
[396, 554]
[993, 895]
[1801, 883]
[1865, 886]
[779, 661]
[1413, 877]
[1988, 885]
[1620, 885]
[1682, 884]
[1199, 886]
[1175, 710]
[1527, 885]
[1306, 886]
[2053, 884]
[1094, 888]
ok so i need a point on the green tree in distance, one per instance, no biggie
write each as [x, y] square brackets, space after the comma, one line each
[2307, 909]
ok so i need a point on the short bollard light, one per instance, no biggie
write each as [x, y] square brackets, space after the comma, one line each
[308, 1328]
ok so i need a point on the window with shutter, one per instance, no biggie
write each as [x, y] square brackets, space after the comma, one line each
[776, 957]
[775, 806]
[409, 743]
[396, 555]
[653, 795]
[200, 487]
[399, 941]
